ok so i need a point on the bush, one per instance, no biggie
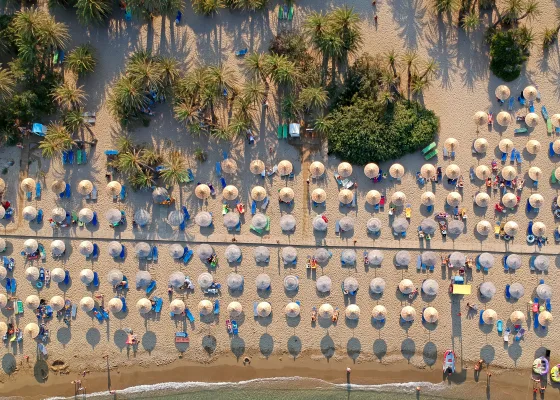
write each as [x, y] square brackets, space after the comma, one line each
[508, 51]
[371, 131]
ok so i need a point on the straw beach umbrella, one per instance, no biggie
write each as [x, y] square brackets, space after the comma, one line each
[203, 219]
[319, 196]
[533, 146]
[85, 215]
[289, 254]
[202, 191]
[319, 224]
[509, 200]
[323, 284]
[2, 211]
[205, 307]
[230, 192]
[32, 302]
[348, 256]
[396, 171]
[264, 309]
[482, 172]
[177, 306]
[406, 286]
[175, 218]
[429, 258]
[431, 315]
[541, 262]
[233, 253]
[322, 255]
[143, 279]
[326, 311]
[555, 121]
[58, 247]
[481, 145]
[457, 259]
[345, 196]
[176, 250]
[480, 118]
[346, 224]
[556, 143]
[532, 120]
[205, 280]
[453, 171]
[505, 145]
[513, 261]
[373, 197]
[429, 226]
[377, 285]
[159, 195]
[379, 313]
[3, 272]
[27, 185]
[375, 257]
[344, 169]
[408, 313]
[30, 246]
[57, 303]
[544, 291]
[454, 199]
[402, 258]
[316, 169]
[142, 250]
[374, 225]
[4, 300]
[114, 277]
[545, 318]
[231, 220]
[291, 283]
[87, 304]
[86, 248]
[85, 187]
[350, 284]
[536, 200]
[287, 222]
[530, 93]
[31, 330]
[400, 225]
[144, 306]
[262, 282]
[229, 166]
[177, 279]
[430, 287]
[557, 173]
[502, 92]
[258, 193]
[259, 221]
[451, 144]
[262, 254]
[535, 173]
[58, 275]
[142, 217]
[58, 214]
[487, 289]
[428, 171]
[114, 188]
[482, 199]
[2, 185]
[511, 228]
[539, 229]
[503, 118]
[234, 309]
[58, 186]
[235, 281]
[516, 290]
[352, 311]
[489, 316]
[517, 317]
[29, 213]
[428, 198]
[3, 328]
[115, 305]
[286, 194]
[285, 167]
[256, 167]
[114, 249]
[486, 260]
[292, 310]
[398, 199]
[113, 215]
[371, 170]
[86, 276]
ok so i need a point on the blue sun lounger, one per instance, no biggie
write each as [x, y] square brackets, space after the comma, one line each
[150, 288]
[508, 294]
[97, 314]
[510, 103]
[190, 316]
[504, 157]
[67, 191]
[185, 213]
[187, 255]
[158, 303]
[38, 190]
[104, 312]
[190, 173]
[255, 312]
[124, 307]
[480, 320]
[548, 306]
[95, 282]
[241, 53]
[217, 307]
[39, 218]
[155, 253]
[66, 280]
[253, 207]
[218, 168]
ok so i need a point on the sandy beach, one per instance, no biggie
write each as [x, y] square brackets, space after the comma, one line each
[276, 345]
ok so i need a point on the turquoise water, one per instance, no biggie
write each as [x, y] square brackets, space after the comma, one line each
[278, 389]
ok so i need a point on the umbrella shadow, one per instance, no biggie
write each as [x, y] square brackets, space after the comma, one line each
[429, 354]
[380, 348]
[294, 346]
[93, 337]
[353, 348]
[327, 347]
[408, 349]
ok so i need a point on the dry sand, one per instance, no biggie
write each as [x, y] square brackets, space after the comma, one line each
[464, 87]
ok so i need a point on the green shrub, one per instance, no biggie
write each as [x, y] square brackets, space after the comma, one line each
[371, 131]
[508, 51]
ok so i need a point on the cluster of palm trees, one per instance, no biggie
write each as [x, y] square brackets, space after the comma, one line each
[210, 7]
[153, 8]
[143, 165]
[146, 76]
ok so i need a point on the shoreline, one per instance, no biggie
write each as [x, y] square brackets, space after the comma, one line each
[226, 369]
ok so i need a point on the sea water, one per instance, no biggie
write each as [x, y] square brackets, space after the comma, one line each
[277, 389]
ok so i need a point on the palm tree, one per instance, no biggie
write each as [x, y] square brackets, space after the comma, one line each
[282, 70]
[316, 26]
[409, 59]
[142, 180]
[7, 83]
[517, 10]
[145, 69]
[68, 96]
[175, 171]
[322, 125]
[392, 59]
[151, 156]
[445, 6]
[345, 23]
[81, 59]
[238, 127]
[470, 21]
[187, 113]
[127, 97]
[207, 7]
[170, 68]
[332, 47]
[256, 65]
[57, 139]
[75, 121]
[53, 34]
[313, 98]
[93, 11]
[221, 78]
[254, 91]
[131, 162]
[124, 144]
[290, 107]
